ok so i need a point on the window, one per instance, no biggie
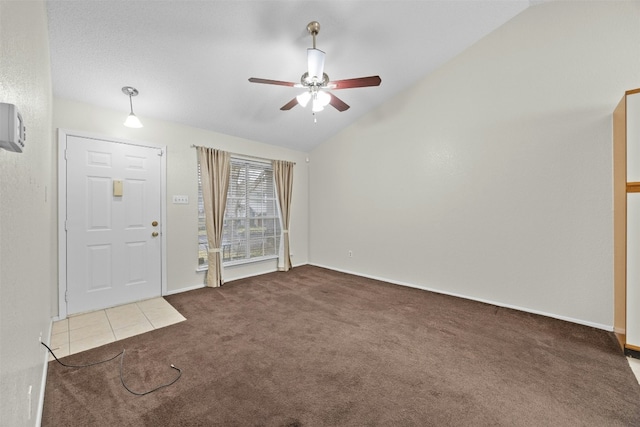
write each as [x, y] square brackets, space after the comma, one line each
[251, 229]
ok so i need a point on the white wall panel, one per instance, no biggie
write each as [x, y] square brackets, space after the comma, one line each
[492, 177]
[633, 221]
[633, 137]
[27, 213]
[633, 269]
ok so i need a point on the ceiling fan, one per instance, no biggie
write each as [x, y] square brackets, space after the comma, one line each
[317, 83]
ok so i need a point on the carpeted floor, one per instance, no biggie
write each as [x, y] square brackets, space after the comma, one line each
[313, 347]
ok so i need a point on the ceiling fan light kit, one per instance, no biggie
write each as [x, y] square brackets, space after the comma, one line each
[303, 99]
[317, 82]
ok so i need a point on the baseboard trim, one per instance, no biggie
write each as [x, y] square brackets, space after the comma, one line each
[246, 276]
[608, 328]
[191, 288]
[43, 384]
[181, 290]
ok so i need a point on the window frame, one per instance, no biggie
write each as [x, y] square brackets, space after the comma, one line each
[265, 165]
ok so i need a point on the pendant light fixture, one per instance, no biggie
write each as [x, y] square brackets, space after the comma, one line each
[132, 120]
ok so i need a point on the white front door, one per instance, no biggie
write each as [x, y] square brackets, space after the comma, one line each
[113, 205]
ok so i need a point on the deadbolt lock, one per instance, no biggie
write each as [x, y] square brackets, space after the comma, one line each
[154, 223]
[154, 234]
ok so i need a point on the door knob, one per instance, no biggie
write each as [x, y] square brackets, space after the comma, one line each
[154, 234]
[154, 223]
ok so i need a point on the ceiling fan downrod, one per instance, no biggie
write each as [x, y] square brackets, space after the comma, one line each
[313, 28]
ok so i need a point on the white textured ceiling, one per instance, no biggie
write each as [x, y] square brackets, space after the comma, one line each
[190, 60]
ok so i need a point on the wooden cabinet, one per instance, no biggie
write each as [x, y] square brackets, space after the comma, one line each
[626, 208]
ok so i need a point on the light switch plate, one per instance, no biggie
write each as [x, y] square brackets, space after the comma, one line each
[180, 200]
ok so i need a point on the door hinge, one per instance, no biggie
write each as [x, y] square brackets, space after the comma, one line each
[161, 153]
[65, 154]
[66, 296]
[65, 225]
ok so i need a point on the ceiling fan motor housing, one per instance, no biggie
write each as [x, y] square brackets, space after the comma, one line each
[307, 81]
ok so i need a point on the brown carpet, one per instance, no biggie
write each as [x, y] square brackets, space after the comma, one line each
[313, 347]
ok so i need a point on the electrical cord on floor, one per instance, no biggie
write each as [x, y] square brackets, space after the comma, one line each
[121, 355]
[152, 390]
[79, 366]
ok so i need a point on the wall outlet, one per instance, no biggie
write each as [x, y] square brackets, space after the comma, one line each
[180, 200]
[350, 253]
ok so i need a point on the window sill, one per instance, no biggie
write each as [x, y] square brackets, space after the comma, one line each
[239, 262]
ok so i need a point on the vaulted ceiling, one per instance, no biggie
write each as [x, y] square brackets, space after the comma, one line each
[190, 60]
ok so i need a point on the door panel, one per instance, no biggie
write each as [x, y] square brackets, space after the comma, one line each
[98, 203]
[136, 207]
[112, 256]
[98, 267]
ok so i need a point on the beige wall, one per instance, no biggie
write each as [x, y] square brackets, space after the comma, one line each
[182, 179]
[27, 213]
[491, 178]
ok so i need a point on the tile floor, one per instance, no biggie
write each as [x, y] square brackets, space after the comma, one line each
[88, 330]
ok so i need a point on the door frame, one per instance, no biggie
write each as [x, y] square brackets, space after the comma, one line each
[62, 209]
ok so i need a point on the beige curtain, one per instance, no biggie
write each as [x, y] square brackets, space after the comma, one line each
[214, 175]
[283, 174]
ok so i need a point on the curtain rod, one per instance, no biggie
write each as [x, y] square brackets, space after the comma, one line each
[238, 154]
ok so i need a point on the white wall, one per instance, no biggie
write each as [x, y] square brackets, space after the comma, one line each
[491, 178]
[27, 213]
[182, 179]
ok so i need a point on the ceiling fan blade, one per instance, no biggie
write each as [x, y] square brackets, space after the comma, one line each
[353, 83]
[289, 105]
[271, 82]
[338, 103]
